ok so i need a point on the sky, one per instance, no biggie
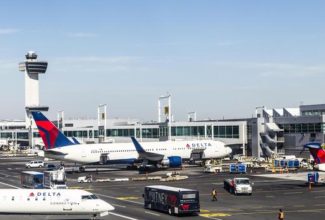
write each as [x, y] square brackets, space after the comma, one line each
[219, 58]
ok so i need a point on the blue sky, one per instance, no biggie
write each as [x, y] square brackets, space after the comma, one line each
[220, 58]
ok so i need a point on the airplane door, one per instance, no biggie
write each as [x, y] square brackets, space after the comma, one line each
[196, 154]
[67, 207]
[103, 158]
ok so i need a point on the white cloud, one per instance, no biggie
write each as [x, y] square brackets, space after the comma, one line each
[5, 31]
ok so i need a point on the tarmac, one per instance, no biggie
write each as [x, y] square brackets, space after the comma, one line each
[270, 192]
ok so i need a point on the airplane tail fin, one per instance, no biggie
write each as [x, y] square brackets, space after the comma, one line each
[137, 145]
[316, 151]
[51, 135]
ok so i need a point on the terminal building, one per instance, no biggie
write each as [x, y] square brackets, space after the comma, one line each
[268, 132]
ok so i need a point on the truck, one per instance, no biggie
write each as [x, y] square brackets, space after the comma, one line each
[173, 200]
[32, 179]
[237, 186]
[55, 179]
[212, 169]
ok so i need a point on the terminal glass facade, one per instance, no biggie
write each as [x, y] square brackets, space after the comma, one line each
[303, 128]
[227, 131]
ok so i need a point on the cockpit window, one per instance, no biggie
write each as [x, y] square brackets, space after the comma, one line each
[87, 197]
[94, 197]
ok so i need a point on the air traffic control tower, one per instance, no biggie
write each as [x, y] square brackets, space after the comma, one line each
[32, 68]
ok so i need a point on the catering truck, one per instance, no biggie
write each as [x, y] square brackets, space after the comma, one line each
[173, 200]
[55, 179]
[237, 186]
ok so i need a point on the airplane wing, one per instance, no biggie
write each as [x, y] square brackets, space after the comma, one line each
[144, 154]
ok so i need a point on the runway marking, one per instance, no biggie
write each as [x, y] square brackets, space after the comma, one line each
[128, 198]
[215, 214]
[121, 206]
[204, 210]
[319, 204]
[319, 197]
[151, 213]
[112, 197]
[269, 196]
[122, 216]
[6, 184]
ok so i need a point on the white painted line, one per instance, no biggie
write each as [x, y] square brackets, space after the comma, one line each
[112, 197]
[122, 216]
[151, 213]
[6, 184]
[121, 206]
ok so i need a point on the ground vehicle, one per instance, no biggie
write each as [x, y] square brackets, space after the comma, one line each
[34, 164]
[85, 179]
[238, 185]
[55, 179]
[212, 169]
[32, 179]
[50, 166]
[171, 199]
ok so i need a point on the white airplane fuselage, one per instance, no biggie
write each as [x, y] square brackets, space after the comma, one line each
[52, 202]
[119, 152]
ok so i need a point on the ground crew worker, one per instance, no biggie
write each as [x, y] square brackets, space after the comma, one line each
[214, 195]
[281, 215]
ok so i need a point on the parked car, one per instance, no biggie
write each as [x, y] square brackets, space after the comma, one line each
[50, 167]
[34, 164]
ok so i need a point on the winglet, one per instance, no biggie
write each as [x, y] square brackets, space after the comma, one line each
[137, 145]
[75, 140]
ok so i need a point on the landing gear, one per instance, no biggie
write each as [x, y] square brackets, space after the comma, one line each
[82, 169]
[94, 217]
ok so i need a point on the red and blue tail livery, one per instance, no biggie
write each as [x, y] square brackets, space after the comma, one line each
[51, 135]
[316, 151]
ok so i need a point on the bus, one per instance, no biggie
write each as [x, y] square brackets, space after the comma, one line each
[173, 200]
[32, 179]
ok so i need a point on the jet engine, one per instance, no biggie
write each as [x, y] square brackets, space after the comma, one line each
[173, 161]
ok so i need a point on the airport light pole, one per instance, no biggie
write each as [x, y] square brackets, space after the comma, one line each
[190, 115]
[60, 119]
[168, 97]
[102, 117]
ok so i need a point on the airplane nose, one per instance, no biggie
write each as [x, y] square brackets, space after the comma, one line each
[228, 150]
[108, 207]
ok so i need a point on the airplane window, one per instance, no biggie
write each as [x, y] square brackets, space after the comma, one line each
[86, 197]
[93, 197]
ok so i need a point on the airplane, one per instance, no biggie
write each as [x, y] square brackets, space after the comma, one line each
[52, 202]
[166, 154]
[318, 154]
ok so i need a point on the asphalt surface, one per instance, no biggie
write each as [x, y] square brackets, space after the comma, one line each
[269, 194]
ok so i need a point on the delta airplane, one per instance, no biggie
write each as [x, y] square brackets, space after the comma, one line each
[164, 154]
[52, 202]
[318, 154]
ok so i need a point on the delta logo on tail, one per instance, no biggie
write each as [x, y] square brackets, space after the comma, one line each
[317, 151]
[51, 136]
